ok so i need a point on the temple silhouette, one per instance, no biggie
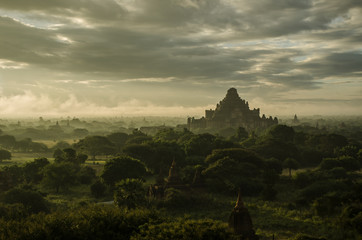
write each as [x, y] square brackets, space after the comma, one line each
[232, 112]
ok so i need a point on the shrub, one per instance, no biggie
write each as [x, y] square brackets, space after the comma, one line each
[185, 229]
[130, 193]
[32, 200]
[98, 189]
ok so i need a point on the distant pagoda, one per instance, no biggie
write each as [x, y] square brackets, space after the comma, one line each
[240, 221]
[232, 112]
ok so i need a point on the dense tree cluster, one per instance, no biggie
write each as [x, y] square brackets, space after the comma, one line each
[304, 170]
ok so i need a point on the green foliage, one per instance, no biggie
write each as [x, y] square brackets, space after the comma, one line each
[89, 222]
[80, 132]
[270, 177]
[203, 144]
[230, 169]
[238, 154]
[5, 155]
[349, 150]
[241, 134]
[301, 236]
[290, 163]
[32, 200]
[14, 211]
[13, 175]
[96, 145]
[327, 143]
[320, 188]
[7, 141]
[121, 168]
[268, 193]
[118, 139]
[310, 157]
[130, 193]
[282, 132]
[86, 175]
[185, 229]
[69, 155]
[347, 162]
[351, 218]
[274, 164]
[60, 175]
[168, 135]
[329, 163]
[157, 156]
[327, 205]
[98, 189]
[275, 148]
[33, 171]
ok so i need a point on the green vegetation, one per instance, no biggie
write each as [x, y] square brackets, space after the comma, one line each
[63, 194]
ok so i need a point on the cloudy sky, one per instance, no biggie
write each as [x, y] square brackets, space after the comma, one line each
[178, 57]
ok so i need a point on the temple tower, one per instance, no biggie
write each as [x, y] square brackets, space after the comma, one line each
[240, 221]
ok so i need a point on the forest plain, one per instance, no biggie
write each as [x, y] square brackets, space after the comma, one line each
[74, 178]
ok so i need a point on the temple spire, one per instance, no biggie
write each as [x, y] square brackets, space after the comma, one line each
[239, 202]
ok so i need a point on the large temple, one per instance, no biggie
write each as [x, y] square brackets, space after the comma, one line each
[232, 112]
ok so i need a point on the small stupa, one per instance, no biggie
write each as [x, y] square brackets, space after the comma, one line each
[240, 221]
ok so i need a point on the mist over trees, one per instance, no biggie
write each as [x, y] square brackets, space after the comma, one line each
[285, 173]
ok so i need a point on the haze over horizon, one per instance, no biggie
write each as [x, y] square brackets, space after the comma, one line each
[178, 58]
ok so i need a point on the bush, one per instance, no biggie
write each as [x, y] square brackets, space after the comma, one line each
[91, 222]
[130, 193]
[269, 194]
[15, 211]
[4, 155]
[98, 189]
[185, 229]
[87, 175]
[121, 168]
[329, 163]
[32, 200]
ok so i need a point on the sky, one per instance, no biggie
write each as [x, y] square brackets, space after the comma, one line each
[179, 57]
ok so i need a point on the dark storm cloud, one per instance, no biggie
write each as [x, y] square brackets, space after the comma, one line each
[27, 44]
[186, 40]
[336, 65]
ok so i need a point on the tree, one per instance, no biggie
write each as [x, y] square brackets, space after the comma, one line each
[282, 132]
[290, 163]
[156, 155]
[80, 132]
[238, 154]
[129, 193]
[118, 139]
[98, 189]
[121, 168]
[228, 174]
[274, 164]
[12, 175]
[33, 171]
[329, 163]
[60, 175]
[96, 145]
[168, 135]
[7, 141]
[5, 155]
[69, 155]
[200, 145]
[86, 175]
[32, 200]
[241, 135]
[349, 163]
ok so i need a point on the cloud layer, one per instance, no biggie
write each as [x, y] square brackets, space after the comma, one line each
[183, 53]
